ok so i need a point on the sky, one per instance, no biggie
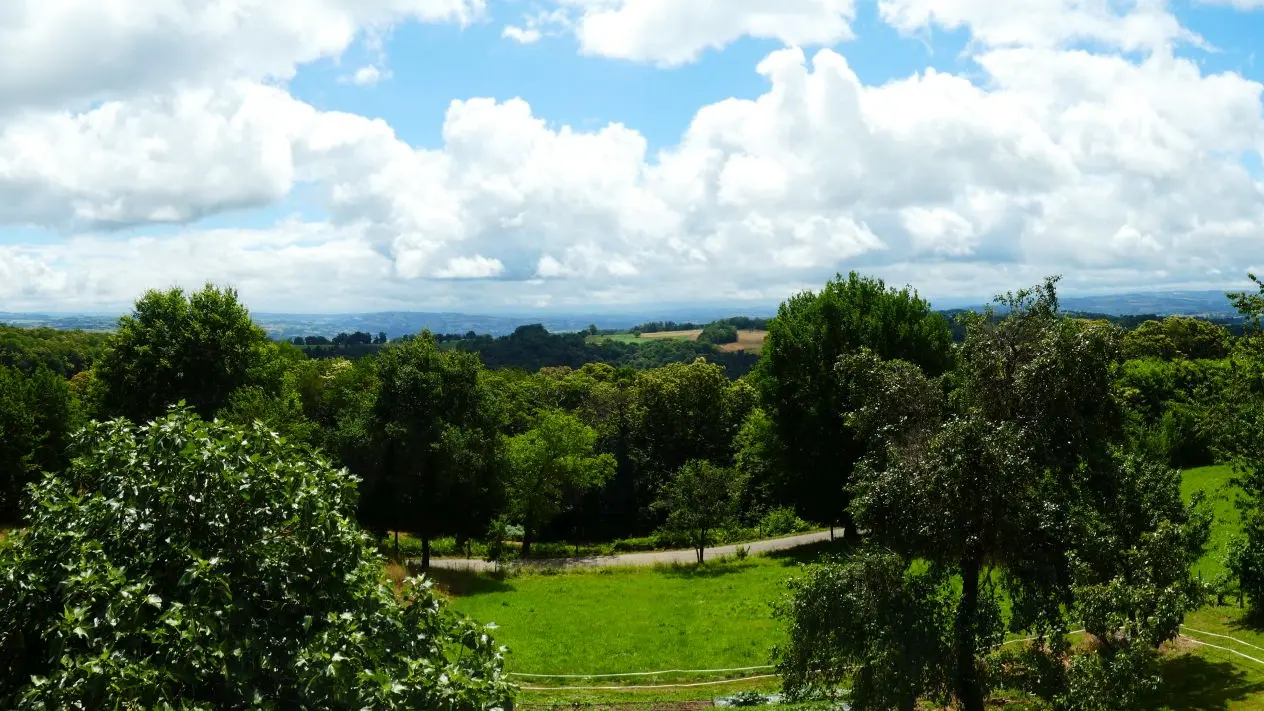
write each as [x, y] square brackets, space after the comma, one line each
[579, 155]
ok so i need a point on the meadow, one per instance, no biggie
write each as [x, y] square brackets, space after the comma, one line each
[751, 341]
[720, 616]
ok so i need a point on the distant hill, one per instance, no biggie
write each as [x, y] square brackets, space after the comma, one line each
[1209, 304]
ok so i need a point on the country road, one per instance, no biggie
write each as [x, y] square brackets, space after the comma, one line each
[638, 559]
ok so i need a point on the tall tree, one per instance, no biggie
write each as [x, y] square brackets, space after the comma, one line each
[549, 464]
[807, 401]
[992, 475]
[198, 348]
[437, 427]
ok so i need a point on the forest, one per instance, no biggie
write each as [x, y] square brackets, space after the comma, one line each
[184, 485]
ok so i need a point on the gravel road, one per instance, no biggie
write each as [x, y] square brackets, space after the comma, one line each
[639, 559]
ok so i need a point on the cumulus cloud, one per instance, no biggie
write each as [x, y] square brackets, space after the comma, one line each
[1116, 169]
[57, 53]
[671, 32]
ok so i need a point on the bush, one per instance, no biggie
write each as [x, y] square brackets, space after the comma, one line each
[193, 565]
[782, 522]
[718, 334]
[635, 545]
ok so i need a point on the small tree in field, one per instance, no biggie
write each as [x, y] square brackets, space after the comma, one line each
[194, 565]
[699, 499]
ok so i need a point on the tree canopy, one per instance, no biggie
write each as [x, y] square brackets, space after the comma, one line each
[182, 564]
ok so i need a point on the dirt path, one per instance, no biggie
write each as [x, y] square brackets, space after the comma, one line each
[640, 559]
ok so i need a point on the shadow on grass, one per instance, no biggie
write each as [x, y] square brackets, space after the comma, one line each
[812, 552]
[463, 583]
[709, 569]
[1193, 683]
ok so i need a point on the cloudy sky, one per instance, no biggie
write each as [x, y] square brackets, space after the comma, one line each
[484, 155]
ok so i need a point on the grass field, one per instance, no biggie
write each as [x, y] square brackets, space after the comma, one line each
[625, 620]
[619, 620]
[1215, 482]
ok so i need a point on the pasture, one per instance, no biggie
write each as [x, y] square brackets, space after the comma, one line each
[719, 616]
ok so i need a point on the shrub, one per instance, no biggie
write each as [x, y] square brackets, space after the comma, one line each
[718, 334]
[193, 565]
[782, 522]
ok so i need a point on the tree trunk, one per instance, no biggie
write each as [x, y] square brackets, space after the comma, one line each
[425, 548]
[699, 552]
[965, 676]
[831, 533]
[526, 542]
[396, 544]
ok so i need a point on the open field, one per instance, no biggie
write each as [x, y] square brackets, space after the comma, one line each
[691, 335]
[616, 621]
[750, 341]
[720, 617]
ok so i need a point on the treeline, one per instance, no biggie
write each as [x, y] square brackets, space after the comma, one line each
[741, 323]
[531, 347]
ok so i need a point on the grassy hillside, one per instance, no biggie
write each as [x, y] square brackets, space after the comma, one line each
[1215, 482]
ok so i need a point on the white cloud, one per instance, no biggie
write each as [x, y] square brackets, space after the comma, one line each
[476, 267]
[1239, 4]
[1127, 24]
[671, 32]
[70, 52]
[369, 75]
[1115, 170]
[528, 35]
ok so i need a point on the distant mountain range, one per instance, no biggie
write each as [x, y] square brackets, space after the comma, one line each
[1210, 304]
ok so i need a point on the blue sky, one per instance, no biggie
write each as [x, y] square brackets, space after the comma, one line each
[961, 146]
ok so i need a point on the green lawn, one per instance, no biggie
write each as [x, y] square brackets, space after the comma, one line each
[624, 620]
[630, 620]
[1215, 482]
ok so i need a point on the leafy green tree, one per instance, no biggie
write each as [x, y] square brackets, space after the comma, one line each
[1177, 337]
[37, 416]
[198, 348]
[992, 475]
[682, 412]
[756, 458]
[869, 623]
[194, 565]
[701, 498]
[436, 424]
[718, 334]
[804, 396]
[549, 464]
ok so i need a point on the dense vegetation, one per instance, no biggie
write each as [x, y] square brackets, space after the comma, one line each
[1006, 472]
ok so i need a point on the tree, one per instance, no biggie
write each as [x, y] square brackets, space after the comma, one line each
[1177, 337]
[804, 396]
[199, 349]
[869, 623]
[681, 412]
[186, 564]
[436, 425]
[37, 417]
[993, 474]
[699, 499]
[549, 462]
[718, 334]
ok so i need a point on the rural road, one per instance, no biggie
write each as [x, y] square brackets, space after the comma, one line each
[639, 559]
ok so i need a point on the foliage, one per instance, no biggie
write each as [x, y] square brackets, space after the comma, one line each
[700, 498]
[198, 349]
[1018, 468]
[37, 417]
[782, 521]
[870, 624]
[548, 464]
[63, 352]
[183, 564]
[1177, 337]
[807, 401]
[436, 424]
[718, 334]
